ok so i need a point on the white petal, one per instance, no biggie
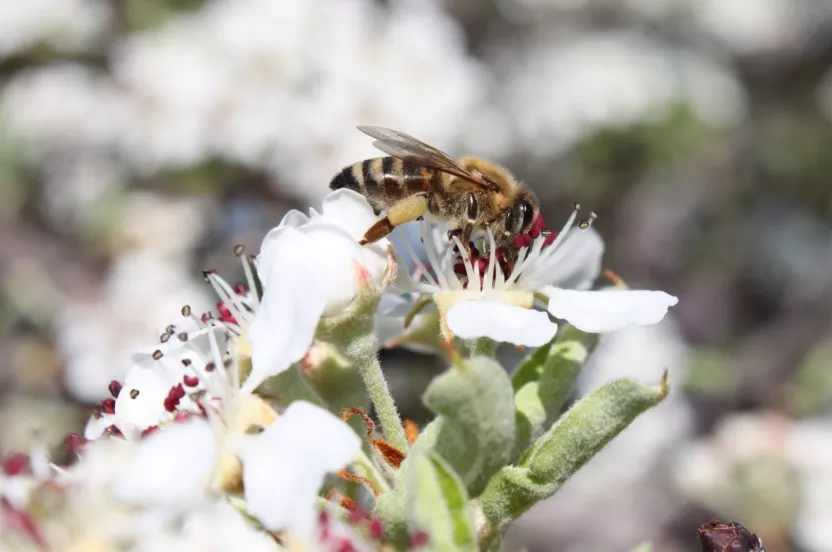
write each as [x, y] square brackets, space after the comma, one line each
[96, 425]
[575, 265]
[336, 255]
[293, 218]
[284, 467]
[170, 467]
[292, 304]
[141, 402]
[605, 311]
[348, 210]
[501, 322]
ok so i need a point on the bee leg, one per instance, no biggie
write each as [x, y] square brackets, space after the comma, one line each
[405, 210]
[377, 231]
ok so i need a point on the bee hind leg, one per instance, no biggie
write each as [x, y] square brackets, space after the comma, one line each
[405, 210]
[377, 231]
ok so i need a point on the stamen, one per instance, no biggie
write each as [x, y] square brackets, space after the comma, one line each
[134, 393]
[16, 464]
[109, 406]
[418, 262]
[430, 249]
[157, 354]
[344, 474]
[114, 388]
[252, 283]
[469, 269]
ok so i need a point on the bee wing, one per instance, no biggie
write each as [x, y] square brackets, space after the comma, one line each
[406, 147]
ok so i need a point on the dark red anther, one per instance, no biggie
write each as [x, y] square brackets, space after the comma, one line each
[345, 546]
[16, 464]
[149, 430]
[114, 430]
[376, 529]
[108, 406]
[182, 416]
[225, 313]
[174, 395]
[323, 518]
[74, 444]
[550, 238]
[537, 226]
[356, 515]
[190, 381]
[115, 388]
[418, 539]
[518, 241]
[240, 288]
[206, 316]
[482, 264]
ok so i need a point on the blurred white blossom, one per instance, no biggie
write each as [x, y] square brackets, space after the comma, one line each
[563, 89]
[63, 24]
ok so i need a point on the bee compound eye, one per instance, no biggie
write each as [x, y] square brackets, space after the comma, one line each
[472, 207]
[527, 212]
[510, 220]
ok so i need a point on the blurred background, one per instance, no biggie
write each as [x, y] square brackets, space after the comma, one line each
[141, 139]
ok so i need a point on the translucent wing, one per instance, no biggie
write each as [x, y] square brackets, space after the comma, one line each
[406, 147]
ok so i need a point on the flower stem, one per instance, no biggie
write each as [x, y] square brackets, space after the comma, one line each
[370, 370]
[481, 346]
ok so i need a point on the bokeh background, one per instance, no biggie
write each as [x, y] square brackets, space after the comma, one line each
[141, 139]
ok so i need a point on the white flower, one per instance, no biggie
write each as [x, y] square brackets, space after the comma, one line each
[479, 297]
[311, 266]
[284, 466]
[65, 24]
[171, 467]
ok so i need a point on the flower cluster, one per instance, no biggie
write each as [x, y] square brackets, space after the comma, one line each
[244, 427]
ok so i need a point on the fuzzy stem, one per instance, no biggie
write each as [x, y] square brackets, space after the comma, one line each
[391, 424]
[481, 347]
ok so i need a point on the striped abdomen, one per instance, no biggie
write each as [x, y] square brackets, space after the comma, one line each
[385, 180]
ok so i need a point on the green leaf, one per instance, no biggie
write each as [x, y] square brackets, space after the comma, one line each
[580, 433]
[440, 504]
[543, 382]
[475, 406]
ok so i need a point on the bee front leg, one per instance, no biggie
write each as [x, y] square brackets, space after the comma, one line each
[405, 210]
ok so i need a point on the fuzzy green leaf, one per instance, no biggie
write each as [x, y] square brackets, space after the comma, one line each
[579, 434]
[543, 382]
[440, 504]
[475, 405]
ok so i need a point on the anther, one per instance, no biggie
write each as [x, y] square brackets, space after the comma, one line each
[109, 406]
[576, 206]
[134, 393]
[157, 354]
[169, 329]
[239, 250]
[190, 381]
[186, 310]
[164, 337]
[210, 367]
[186, 362]
[183, 336]
[114, 388]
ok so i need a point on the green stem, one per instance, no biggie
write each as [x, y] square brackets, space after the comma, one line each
[391, 424]
[481, 347]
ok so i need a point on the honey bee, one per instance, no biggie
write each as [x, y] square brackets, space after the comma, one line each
[470, 196]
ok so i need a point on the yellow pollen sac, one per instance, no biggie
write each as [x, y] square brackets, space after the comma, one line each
[446, 299]
[228, 476]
